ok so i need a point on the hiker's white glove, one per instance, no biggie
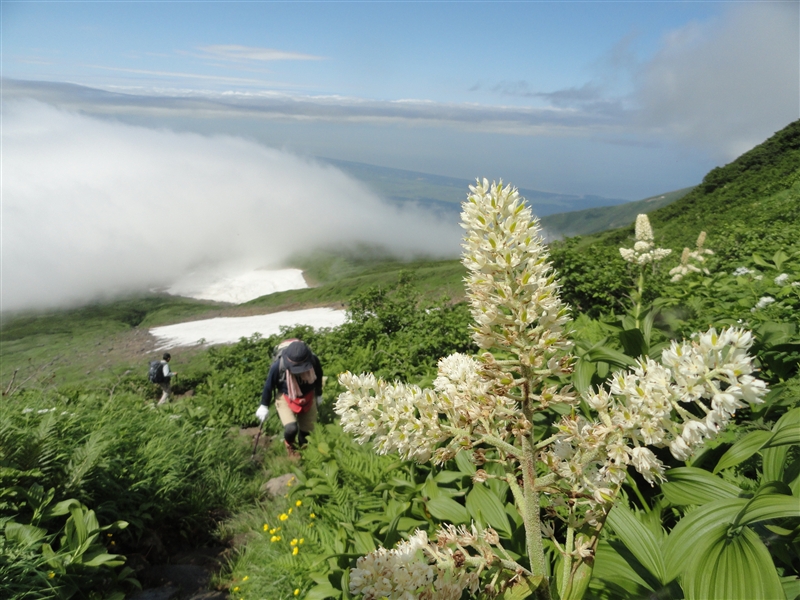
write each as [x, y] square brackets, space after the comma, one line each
[262, 412]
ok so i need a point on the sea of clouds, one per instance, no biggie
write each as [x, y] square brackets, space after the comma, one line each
[93, 208]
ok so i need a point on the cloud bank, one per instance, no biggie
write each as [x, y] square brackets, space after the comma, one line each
[93, 208]
[729, 84]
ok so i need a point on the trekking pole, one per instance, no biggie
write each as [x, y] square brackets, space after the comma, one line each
[258, 436]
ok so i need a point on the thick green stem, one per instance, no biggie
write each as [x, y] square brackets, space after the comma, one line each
[637, 309]
[531, 519]
[566, 564]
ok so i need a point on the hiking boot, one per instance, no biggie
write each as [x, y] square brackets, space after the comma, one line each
[291, 451]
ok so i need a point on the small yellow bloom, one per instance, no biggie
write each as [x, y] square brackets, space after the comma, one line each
[266, 527]
[245, 578]
[299, 503]
[236, 589]
[301, 540]
[289, 511]
[295, 551]
[275, 538]
[313, 516]
[50, 575]
[290, 482]
[297, 592]
[293, 542]
[283, 516]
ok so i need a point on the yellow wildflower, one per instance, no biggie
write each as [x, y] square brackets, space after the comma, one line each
[283, 516]
[266, 527]
[289, 511]
[299, 503]
[236, 589]
[295, 551]
[245, 578]
[301, 540]
[313, 516]
[297, 592]
[293, 542]
[50, 575]
[275, 538]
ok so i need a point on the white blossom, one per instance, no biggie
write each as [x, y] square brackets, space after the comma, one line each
[781, 279]
[763, 302]
[643, 251]
[739, 271]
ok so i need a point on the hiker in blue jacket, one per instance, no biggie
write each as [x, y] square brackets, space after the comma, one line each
[296, 374]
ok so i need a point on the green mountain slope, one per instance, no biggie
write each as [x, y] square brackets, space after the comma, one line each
[750, 210]
[755, 195]
[594, 220]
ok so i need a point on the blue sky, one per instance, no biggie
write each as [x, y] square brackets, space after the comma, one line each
[623, 99]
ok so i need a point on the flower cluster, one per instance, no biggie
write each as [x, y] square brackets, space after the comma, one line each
[411, 421]
[697, 255]
[680, 403]
[416, 569]
[643, 251]
[511, 285]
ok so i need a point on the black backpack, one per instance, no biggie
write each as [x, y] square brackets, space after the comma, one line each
[156, 372]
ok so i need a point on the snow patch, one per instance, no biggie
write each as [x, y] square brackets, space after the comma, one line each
[229, 330]
[239, 287]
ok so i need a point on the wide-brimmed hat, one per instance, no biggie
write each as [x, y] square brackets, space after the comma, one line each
[298, 357]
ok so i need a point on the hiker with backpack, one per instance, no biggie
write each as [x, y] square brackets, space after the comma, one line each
[159, 373]
[296, 376]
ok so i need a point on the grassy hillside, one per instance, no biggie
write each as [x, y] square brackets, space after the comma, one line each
[102, 341]
[594, 220]
[750, 210]
[754, 197]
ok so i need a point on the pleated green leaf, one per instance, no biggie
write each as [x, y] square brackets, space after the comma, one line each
[689, 485]
[738, 568]
[582, 375]
[484, 506]
[768, 506]
[743, 449]
[614, 572]
[773, 462]
[611, 356]
[786, 430]
[695, 526]
[638, 539]
[447, 509]
[465, 464]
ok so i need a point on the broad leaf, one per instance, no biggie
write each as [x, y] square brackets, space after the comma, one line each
[481, 502]
[738, 568]
[633, 341]
[786, 430]
[743, 449]
[582, 375]
[447, 509]
[465, 464]
[26, 535]
[611, 356]
[690, 485]
[693, 527]
[616, 574]
[768, 506]
[638, 539]
[773, 462]
[322, 591]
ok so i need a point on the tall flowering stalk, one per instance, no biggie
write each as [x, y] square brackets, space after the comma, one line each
[642, 254]
[564, 484]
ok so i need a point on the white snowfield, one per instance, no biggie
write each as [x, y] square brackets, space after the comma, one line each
[229, 330]
[238, 288]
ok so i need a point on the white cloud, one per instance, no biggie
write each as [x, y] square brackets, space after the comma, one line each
[239, 53]
[92, 208]
[728, 84]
